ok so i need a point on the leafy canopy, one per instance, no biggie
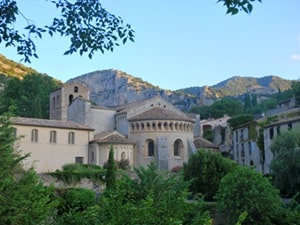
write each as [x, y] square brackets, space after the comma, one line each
[28, 97]
[285, 166]
[246, 191]
[205, 169]
[23, 198]
[88, 25]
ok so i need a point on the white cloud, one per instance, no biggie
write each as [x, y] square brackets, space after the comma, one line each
[295, 57]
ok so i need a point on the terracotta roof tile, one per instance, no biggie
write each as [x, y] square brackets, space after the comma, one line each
[159, 113]
[201, 142]
[48, 123]
[112, 137]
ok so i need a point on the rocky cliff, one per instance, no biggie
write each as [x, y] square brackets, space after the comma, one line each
[112, 88]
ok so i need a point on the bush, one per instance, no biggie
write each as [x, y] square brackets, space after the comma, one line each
[205, 170]
[75, 199]
[246, 191]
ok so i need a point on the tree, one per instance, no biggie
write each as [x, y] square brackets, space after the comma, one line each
[23, 198]
[152, 197]
[110, 176]
[224, 106]
[28, 97]
[246, 191]
[239, 120]
[285, 166]
[89, 26]
[205, 169]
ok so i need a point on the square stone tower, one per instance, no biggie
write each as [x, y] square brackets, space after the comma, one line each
[61, 98]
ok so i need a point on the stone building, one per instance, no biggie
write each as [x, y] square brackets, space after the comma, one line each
[150, 130]
[80, 132]
[270, 133]
[245, 139]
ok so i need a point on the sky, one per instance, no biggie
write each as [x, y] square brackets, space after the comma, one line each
[180, 44]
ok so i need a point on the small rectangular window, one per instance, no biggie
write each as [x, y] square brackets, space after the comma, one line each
[271, 131]
[79, 159]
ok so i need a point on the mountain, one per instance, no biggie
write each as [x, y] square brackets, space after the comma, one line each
[112, 88]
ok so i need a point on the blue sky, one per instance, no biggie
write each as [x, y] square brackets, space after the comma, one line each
[181, 44]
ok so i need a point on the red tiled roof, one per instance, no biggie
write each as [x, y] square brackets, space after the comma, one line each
[159, 113]
[48, 123]
[112, 137]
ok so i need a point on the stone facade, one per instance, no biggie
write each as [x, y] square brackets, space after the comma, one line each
[245, 138]
[63, 97]
[80, 132]
[154, 129]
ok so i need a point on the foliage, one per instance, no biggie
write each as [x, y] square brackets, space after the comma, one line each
[152, 197]
[205, 170]
[73, 173]
[285, 166]
[23, 198]
[123, 164]
[75, 199]
[239, 120]
[246, 190]
[208, 135]
[110, 177]
[296, 91]
[88, 25]
[224, 106]
[234, 6]
[28, 97]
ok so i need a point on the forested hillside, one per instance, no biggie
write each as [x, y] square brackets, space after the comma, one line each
[11, 68]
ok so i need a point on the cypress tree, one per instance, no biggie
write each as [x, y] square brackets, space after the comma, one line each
[111, 170]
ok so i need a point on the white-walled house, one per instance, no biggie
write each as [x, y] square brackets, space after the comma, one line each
[52, 143]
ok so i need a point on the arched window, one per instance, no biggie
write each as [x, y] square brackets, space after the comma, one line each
[71, 98]
[71, 138]
[53, 136]
[123, 155]
[150, 148]
[34, 135]
[75, 89]
[178, 148]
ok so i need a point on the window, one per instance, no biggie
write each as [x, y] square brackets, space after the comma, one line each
[150, 148]
[53, 136]
[123, 155]
[34, 135]
[278, 130]
[71, 98]
[79, 159]
[71, 138]
[271, 132]
[178, 146]
[75, 89]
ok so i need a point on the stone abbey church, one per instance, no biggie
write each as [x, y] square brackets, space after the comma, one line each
[81, 132]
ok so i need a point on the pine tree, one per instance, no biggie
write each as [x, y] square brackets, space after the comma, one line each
[23, 198]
